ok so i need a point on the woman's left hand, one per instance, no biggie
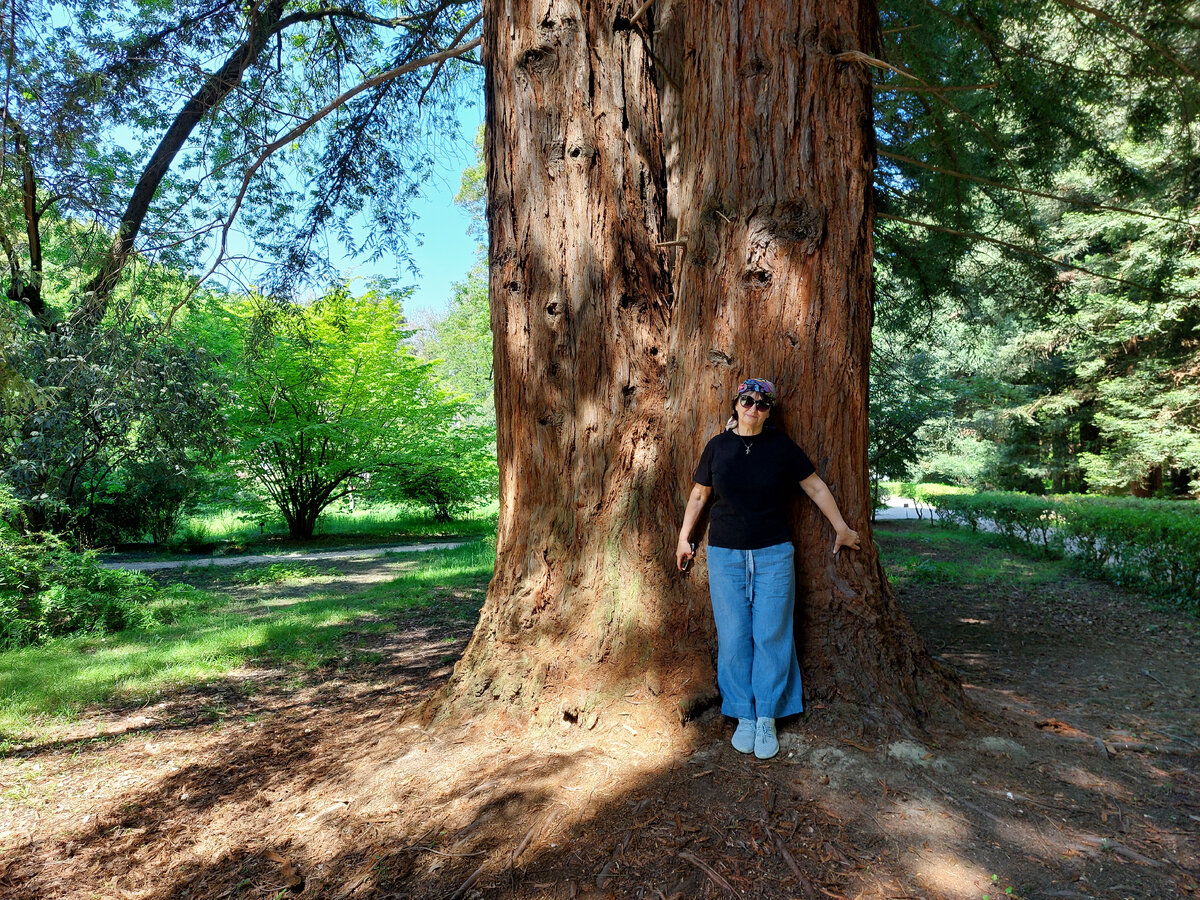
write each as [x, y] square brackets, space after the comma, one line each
[846, 538]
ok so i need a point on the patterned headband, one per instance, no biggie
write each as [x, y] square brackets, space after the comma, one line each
[759, 385]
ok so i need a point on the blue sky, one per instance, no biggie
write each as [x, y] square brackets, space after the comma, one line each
[446, 253]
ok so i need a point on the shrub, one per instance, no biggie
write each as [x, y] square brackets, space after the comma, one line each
[922, 493]
[1149, 544]
[1023, 516]
[148, 503]
[48, 590]
[1154, 545]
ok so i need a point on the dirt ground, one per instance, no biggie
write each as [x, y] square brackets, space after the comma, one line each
[1080, 778]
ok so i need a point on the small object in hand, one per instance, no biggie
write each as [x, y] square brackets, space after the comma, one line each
[687, 562]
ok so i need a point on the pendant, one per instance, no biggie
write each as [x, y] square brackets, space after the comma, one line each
[747, 451]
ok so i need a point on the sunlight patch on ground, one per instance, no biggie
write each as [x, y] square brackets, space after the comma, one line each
[948, 874]
[1080, 777]
[926, 820]
[918, 755]
[971, 659]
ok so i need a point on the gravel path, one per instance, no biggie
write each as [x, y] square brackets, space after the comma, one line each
[299, 556]
[902, 508]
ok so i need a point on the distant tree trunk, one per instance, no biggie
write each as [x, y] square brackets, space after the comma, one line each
[611, 371]
[301, 522]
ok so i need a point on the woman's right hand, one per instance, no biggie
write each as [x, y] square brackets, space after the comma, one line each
[685, 552]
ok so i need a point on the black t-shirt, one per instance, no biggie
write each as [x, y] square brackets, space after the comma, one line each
[751, 491]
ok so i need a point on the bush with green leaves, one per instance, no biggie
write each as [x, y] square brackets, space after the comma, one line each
[329, 399]
[459, 475]
[1153, 545]
[923, 494]
[147, 501]
[1027, 517]
[1150, 544]
[127, 417]
[48, 590]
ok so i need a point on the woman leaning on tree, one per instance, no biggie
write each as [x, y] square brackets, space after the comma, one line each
[749, 473]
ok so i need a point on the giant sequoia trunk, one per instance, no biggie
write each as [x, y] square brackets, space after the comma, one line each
[675, 203]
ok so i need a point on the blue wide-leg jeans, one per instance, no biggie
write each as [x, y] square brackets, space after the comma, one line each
[753, 597]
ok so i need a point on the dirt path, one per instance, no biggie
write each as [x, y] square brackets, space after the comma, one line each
[297, 556]
[1079, 778]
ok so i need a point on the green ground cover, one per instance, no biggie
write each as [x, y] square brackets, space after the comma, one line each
[231, 531]
[302, 617]
[1152, 545]
[300, 626]
[916, 552]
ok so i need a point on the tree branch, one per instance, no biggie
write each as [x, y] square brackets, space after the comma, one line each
[945, 89]
[298, 131]
[463, 32]
[343, 12]
[857, 56]
[1100, 14]
[27, 291]
[887, 154]
[214, 90]
[1011, 246]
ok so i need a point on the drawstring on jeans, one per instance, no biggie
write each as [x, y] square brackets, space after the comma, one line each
[750, 576]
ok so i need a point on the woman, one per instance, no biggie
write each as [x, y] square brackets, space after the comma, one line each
[749, 472]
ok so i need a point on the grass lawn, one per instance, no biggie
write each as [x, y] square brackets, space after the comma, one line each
[302, 625]
[230, 531]
[297, 616]
[916, 552]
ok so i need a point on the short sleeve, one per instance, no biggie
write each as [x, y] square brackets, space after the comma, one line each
[703, 473]
[801, 464]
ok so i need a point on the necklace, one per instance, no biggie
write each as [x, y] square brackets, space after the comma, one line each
[748, 447]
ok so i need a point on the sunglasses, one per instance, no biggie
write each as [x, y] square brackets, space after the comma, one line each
[747, 401]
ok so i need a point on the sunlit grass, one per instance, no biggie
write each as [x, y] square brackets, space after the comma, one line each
[927, 554]
[211, 638]
[239, 531]
[385, 520]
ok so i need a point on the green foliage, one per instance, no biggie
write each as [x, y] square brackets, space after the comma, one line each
[93, 109]
[376, 522]
[462, 474]
[48, 590]
[905, 396]
[472, 192]
[460, 343]
[922, 494]
[205, 639]
[150, 501]
[127, 418]
[1054, 298]
[18, 395]
[955, 557]
[278, 573]
[330, 400]
[1029, 518]
[1152, 545]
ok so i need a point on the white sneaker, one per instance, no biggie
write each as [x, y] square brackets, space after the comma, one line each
[743, 737]
[766, 744]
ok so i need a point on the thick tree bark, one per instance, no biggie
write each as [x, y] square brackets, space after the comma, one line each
[611, 373]
[582, 604]
[770, 183]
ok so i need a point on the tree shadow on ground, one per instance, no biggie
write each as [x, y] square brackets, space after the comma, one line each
[325, 790]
